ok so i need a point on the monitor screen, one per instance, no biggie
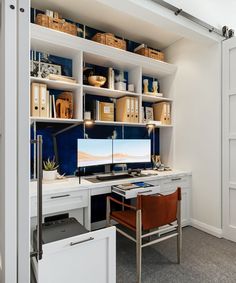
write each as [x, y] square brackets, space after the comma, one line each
[131, 151]
[93, 152]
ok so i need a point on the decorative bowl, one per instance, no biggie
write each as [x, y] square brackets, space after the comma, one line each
[97, 81]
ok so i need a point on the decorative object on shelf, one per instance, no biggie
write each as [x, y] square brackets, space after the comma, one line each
[145, 86]
[97, 81]
[87, 115]
[106, 111]
[155, 87]
[111, 78]
[143, 115]
[57, 23]
[120, 82]
[61, 78]
[64, 105]
[50, 170]
[162, 112]
[149, 114]
[131, 87]
[156, 160]
[109, 39]
[40, 69]
[148, 52]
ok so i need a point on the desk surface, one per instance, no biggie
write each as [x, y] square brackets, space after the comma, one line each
[60, 186]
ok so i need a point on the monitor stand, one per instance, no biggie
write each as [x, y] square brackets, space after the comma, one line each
[107, 168]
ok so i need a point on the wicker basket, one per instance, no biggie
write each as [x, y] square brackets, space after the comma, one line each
[151, 53]
[110, 39]
[56, 23]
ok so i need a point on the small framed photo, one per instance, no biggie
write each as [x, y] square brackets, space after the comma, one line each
[42, 69]
[149, 114]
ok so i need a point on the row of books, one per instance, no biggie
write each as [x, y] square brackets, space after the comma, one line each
[42, 103]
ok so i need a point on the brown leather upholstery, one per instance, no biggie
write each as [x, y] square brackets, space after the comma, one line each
[127, 218]
[157, 210]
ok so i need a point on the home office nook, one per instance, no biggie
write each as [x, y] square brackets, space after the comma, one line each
[122, 123]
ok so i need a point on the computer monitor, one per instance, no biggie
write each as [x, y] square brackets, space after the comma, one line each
[91, 152]
[131, 151]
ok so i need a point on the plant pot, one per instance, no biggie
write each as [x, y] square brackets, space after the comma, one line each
[49, 175]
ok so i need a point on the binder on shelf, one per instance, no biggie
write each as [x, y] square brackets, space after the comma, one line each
[111, 78]
[132, 110]
[106, 111]
[35, 100]
[136, 110]
[42, 100]
[123, 109]
[48, 104]
[54, 106]
[162, 112]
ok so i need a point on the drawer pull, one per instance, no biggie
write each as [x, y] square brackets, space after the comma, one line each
[176, 179]
[145, 192]
[62, 196]
[80, 242]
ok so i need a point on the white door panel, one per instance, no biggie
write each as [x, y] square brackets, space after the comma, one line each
[229, 139]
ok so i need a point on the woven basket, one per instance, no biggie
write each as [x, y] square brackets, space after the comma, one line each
[56, 23]
[110, 39]
[148, 52]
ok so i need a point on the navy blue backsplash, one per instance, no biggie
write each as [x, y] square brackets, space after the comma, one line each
[67, 143]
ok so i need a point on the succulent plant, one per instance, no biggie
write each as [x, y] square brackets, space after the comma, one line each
[50, 165]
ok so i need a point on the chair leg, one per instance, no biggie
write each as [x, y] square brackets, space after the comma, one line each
[179, 237]
[108, 221]
[138, 246]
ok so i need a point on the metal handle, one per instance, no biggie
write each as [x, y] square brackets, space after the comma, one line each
[39, 250]
[62, 196]
[80, 242]
[40, 197]
[176, 179]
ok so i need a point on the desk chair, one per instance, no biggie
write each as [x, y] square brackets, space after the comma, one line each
[151, 212]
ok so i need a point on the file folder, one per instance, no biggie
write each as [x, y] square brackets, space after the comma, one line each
[162, 112]
[123, 109]
[132, 111]
[43, 100]
[136, 112]
[35, 100]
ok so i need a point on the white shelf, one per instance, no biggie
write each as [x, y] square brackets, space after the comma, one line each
[126, 124]
[62, 44]
[55, 120]
[153, 98]
[56, 84]
[107, 92]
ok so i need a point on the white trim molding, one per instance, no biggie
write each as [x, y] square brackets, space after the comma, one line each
[217, 232]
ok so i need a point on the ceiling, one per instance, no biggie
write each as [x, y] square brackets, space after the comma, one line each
[102, 15]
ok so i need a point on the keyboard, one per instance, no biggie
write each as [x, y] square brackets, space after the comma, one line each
[114, 177]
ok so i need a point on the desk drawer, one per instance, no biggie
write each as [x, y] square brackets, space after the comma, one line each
[53, 203]
[174, 182]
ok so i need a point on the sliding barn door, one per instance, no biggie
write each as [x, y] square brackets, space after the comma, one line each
[229, 139]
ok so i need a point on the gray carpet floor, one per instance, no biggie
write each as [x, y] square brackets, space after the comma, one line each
[204, 259]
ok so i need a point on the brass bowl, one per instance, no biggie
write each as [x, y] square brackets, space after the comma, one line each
[97, 81]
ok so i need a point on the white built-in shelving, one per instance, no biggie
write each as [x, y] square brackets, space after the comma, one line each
[83, 51]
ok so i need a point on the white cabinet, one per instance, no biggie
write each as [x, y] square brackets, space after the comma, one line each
[169, 185]
[86, 258]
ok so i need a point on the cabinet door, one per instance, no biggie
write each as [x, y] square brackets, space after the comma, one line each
[89, 258]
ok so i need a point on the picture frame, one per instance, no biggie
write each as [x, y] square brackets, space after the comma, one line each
[43, 69]
[149, 114]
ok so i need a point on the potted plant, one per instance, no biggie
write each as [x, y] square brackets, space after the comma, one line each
[50, 169]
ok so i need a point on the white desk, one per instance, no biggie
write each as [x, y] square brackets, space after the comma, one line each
[69, 195]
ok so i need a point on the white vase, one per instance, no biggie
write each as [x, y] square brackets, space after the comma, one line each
[49, 175]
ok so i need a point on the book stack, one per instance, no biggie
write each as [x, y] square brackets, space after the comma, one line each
[127, 109]
[42, 103]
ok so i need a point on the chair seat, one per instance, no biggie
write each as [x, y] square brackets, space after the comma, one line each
[126, 217]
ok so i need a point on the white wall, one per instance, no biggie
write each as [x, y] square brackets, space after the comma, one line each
[215, 12]
[197, 94]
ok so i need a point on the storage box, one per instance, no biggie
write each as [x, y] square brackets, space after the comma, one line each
[106, 111]
[162, 112]
[56, 23]
[110, 39]
[148, 52]
[120, 86]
